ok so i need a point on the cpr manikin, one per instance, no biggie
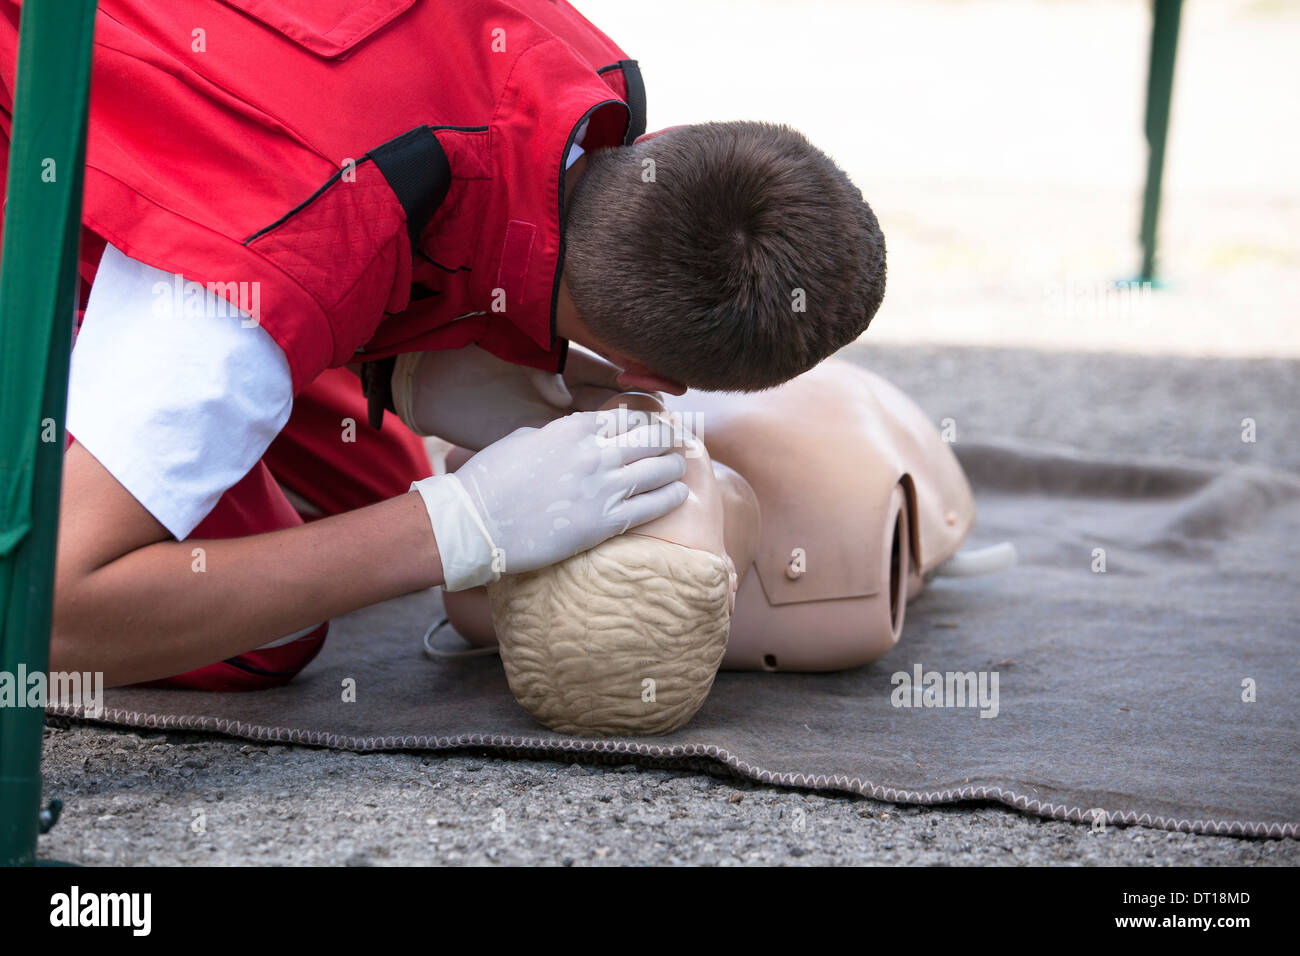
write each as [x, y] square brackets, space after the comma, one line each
[834, 498]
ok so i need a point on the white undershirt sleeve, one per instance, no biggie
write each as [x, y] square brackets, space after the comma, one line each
[173, 390]
[576, 150]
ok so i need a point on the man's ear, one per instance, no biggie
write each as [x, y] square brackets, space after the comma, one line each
[659, 132]
[636, 377]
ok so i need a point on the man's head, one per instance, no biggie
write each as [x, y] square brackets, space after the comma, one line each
[722, 256]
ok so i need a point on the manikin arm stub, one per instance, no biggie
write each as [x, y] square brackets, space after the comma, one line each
[471, 398]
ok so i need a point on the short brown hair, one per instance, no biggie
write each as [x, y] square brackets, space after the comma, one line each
[694, 251]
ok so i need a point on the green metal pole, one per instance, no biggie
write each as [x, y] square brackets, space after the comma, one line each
[1160, 87]
[38, 276]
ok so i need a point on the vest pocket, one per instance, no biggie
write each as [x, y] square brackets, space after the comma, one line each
[328, 28]
[347, 246]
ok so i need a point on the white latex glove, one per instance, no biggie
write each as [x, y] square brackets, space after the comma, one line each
[541, 495]
[471, 398]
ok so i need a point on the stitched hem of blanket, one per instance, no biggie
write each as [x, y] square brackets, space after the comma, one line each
[866, 788]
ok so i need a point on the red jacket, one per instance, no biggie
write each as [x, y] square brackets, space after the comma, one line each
[377, 173]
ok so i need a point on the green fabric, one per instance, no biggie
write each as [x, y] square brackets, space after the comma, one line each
[38, 275]
[1160, 87]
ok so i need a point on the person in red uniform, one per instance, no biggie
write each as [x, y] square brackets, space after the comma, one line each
[300, 220]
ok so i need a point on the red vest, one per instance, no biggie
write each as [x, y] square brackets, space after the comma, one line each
[367, 176]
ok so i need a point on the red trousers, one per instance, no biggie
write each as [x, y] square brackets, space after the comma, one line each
[312, 459]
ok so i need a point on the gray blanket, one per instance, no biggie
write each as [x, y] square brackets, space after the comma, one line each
[1160, 691]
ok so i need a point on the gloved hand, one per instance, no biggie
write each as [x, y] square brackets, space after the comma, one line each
[471, 398]
[541, 495]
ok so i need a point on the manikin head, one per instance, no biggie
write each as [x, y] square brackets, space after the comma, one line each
[626, 638]
[719, 256]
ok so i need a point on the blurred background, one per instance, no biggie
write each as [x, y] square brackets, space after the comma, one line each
[1001, 145]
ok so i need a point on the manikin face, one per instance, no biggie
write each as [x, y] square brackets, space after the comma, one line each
[700, 521]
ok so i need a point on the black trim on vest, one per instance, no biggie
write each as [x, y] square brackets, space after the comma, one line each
[248, 668]
[632, 79]
[439, 265]
[301, 206]
[559, 257]
[417, 171]
[636, 116]
[635, 100]
[392, 159]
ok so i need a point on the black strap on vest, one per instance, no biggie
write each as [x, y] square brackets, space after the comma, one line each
[635, 100]
[419, 175]
[377, 386]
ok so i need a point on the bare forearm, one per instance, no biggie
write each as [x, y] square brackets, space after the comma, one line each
[172, 606]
